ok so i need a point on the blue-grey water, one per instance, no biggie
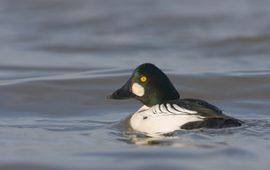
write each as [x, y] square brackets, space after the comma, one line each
[60, 58]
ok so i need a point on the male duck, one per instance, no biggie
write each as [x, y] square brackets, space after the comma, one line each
[163, 111]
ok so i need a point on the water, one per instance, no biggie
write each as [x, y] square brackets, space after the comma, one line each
[60, 58]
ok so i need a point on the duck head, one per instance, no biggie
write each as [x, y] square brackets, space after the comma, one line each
[147, 84]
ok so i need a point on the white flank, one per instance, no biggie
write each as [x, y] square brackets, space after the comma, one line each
[143, 108]
[161, 119]
[137, 89]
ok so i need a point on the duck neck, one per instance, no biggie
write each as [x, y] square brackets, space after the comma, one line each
[158, 97]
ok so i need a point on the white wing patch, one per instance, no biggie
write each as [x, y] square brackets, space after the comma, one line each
[163, 109]
[181, 109]
[171, 109]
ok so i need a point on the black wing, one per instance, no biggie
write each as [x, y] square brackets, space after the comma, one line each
[202, 107]
[214, 122]
[213, 116]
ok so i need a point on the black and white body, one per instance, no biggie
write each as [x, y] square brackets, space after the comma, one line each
[163, 110]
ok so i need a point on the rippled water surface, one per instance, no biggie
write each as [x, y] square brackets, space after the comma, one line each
[60, 58]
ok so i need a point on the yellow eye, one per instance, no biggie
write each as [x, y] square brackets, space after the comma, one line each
[143, 79]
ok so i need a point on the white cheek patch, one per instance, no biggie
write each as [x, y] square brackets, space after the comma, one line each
[137, 89]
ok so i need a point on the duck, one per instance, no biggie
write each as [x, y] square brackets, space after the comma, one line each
[163, 111]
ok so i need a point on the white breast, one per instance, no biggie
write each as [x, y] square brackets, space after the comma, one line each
[160, 119]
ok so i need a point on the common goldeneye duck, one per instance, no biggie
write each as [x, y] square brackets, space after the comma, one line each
[163, 111]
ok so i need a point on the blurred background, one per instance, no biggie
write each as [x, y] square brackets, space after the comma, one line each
[40, 37]
[60, 58]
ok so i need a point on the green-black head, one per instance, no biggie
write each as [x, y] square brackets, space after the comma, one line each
[149, 85]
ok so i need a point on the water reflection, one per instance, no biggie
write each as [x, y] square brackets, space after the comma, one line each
[198, 138]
